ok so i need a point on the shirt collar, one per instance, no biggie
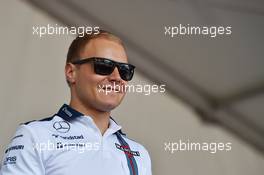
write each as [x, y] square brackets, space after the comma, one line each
[69, 114]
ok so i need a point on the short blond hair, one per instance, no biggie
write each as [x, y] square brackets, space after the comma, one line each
[81, 41]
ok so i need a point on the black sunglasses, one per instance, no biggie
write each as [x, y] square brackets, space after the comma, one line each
[105, 66]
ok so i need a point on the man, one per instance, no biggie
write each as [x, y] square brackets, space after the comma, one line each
[82, 138]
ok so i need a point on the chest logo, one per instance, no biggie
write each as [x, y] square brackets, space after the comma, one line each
[127, 150]
[62, 126]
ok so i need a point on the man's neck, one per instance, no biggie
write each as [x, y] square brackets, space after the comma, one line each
[101, 119]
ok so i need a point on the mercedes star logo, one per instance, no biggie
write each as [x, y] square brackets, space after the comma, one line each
[62, 126]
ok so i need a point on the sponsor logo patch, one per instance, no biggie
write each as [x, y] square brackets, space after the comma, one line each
[61, 126]
[10, 160]
[68, 137]
[69, 145]
[127, 150]
[16, 147]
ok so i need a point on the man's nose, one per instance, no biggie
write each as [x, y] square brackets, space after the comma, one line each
[115, 76]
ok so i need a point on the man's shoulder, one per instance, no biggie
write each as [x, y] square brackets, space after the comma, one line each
[41, 127]
[32, 131]
[41, 123]
[40, 120]
[136, 145]
[140, 150]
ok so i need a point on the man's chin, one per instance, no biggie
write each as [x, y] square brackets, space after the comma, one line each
[108, 107]
[108, 102]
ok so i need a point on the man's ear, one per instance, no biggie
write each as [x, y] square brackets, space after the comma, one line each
[70, 73]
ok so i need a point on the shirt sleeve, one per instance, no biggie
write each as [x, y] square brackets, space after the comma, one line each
[21, 156]
[148, 163]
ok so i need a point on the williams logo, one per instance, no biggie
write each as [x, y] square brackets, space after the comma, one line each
[62, 126]
[127, 150]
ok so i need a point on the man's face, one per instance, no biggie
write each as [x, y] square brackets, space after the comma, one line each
[89, 87]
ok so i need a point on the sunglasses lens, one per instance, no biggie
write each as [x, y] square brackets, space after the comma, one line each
[126, 72]
[106, 67]
[103, 67]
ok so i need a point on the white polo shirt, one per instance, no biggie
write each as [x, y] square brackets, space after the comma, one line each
[70, 143]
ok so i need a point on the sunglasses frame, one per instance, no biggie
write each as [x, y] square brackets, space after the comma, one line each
[115, 64]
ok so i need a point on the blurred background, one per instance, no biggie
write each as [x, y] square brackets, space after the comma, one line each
[214, 86]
